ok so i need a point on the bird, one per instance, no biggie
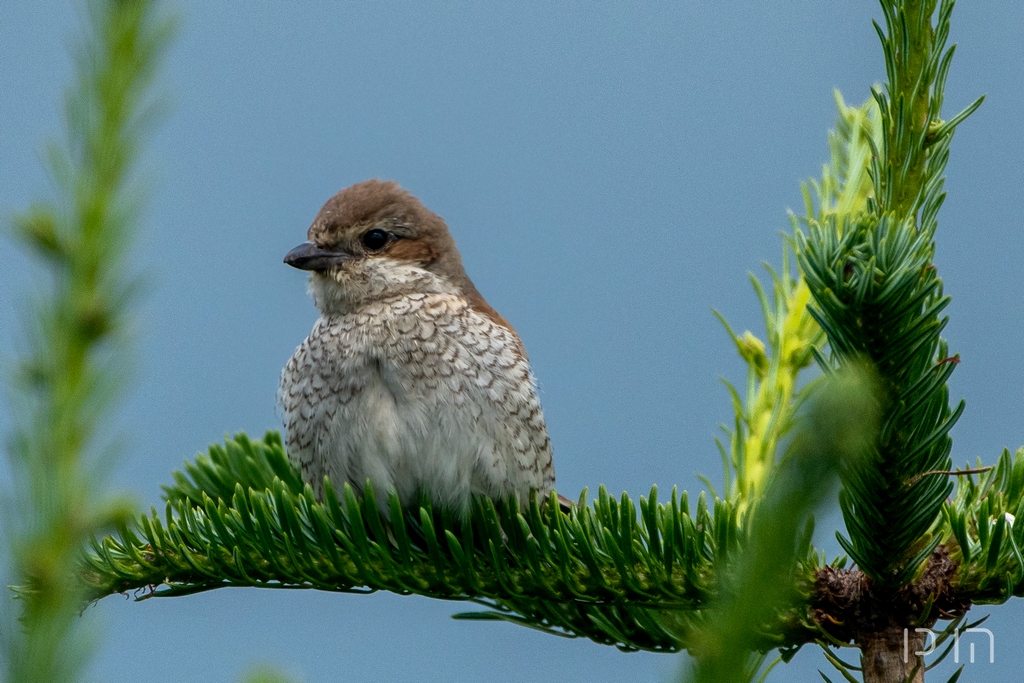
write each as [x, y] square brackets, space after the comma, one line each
[409, 379]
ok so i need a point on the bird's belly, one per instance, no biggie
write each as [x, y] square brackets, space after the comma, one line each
[416, 437]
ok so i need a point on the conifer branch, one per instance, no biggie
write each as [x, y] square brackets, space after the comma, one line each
[241, 517]
[877, 296]
[984, 525]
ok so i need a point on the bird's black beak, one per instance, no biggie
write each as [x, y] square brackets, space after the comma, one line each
[308, 256]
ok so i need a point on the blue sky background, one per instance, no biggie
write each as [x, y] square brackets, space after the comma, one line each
[611, 173]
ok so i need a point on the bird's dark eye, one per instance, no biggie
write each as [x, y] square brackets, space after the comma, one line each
[375, 239]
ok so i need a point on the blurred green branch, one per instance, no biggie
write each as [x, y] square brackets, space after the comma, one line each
[768, 577]
[63, 387]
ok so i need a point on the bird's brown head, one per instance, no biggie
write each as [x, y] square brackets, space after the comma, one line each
[374, 240]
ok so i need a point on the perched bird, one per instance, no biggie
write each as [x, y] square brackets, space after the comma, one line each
[409, 378]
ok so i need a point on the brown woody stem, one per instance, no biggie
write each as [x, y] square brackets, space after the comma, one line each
[889, 656]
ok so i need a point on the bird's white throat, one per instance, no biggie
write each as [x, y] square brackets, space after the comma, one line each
[363, 281]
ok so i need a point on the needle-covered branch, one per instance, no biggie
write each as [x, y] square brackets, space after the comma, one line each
[877, 296]
[985, 520]
[241, 517]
